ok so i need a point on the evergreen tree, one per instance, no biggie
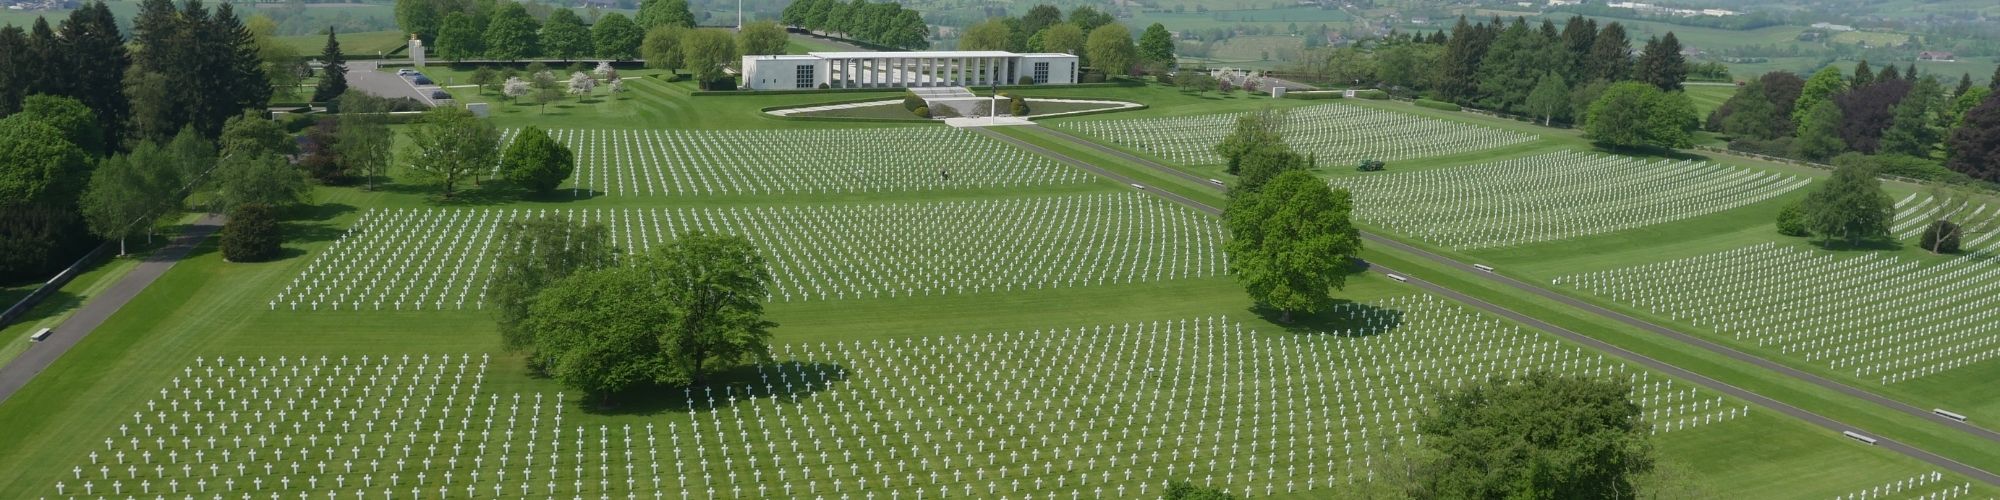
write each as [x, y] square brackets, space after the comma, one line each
[1662, 65]
[44, 61]
[1156, 46]
[96, 60]
[1514, 63]
[511, 34]
[332, 76]
[1458, 69]
[13, 68]
[1610, 54]
[1975, 144]
[1964, 84]
[1993, 82]
[1888, 73]
[1863, 75]
[1578, 35]
[1913, 129]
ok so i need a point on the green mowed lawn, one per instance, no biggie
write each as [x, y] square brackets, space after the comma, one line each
[1708, 97]
[207, 307]
[357, 43]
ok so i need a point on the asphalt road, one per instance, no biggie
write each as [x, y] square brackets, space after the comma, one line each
[1633, 357]
[39, 356]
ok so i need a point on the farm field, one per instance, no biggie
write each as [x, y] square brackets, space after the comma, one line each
[961, 315]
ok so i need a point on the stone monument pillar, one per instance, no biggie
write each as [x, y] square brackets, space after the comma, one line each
[416, 51]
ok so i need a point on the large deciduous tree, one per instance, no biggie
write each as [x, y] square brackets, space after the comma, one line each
[761, 38]
[662, 48]
[1634, 114]
[1975, 145]
[1111, 50]
[617, 37]
[1865, 111]
[1065, 38]
[1850, 206]
[512, 33]
[1753, 116]
[715, 286]
[1822, 86]
[536, 162]
[563, 36]
[705, 52]
[1537, 435]
[534, 254]
[990, 34]
[1253, 131]
[1549, 99]
[363, 142]
[1291, 243]
[449, 145]
[1819, 133]
[598, 331]
[654, 13]
[459, 38]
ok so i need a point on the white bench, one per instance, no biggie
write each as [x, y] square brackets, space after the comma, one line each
[41, 335]
[1859, 437]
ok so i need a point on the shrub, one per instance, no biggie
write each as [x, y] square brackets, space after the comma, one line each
[1017, 106]
[1025, 80]
[724, 83]
[1436, 104]
[251, 235]
[1093, 76]
[1947, 230]
[1792, 220]
[911, 102]
[1371, 166]
[1371, 94]
[824, 86]
[1309, 95]
[922, 111]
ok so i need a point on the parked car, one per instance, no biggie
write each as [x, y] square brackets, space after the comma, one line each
[405, 72]
[440, 95]
[421, 80]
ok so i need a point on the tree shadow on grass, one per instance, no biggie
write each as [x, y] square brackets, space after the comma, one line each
[789, 380]
[55, 303]
[489, 192]
[1345, 318]
[1867, 245]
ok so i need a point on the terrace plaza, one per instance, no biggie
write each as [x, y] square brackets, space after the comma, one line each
[842, 70]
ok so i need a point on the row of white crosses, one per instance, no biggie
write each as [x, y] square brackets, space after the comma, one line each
[425, 259]
[401, 259]
[1925, 486]
[622, 162]
[1914, 213]
[1552, 196]
[1100, 411]
[1879, 315]
[1337, 134]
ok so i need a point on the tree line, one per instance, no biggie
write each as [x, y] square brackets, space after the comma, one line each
[886, 23]
[1895, 120]
[511, 30]
[1095, 37]
[83, 99]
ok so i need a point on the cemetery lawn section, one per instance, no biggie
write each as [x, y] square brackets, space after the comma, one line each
[950, 303]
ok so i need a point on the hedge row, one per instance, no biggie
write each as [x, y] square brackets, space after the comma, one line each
[1311, 95]
[1371, 94]
[1437, 105]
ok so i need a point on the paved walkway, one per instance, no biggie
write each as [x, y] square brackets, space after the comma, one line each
[93, 313]
[1640, 359]
[831, 107]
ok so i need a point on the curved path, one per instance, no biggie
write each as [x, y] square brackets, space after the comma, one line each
[93, 313]
[1643, 360]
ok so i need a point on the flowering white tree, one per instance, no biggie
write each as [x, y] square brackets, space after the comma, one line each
[604, 70]
[515, 88]
[580, 84]
[616, 86]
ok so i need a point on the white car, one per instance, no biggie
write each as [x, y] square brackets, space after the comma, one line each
[405, 72]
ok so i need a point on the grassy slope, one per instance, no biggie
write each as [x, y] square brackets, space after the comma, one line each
[208, 307]
[1722, 231]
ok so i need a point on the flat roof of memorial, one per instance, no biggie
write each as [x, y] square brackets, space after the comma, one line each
[927, 53]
